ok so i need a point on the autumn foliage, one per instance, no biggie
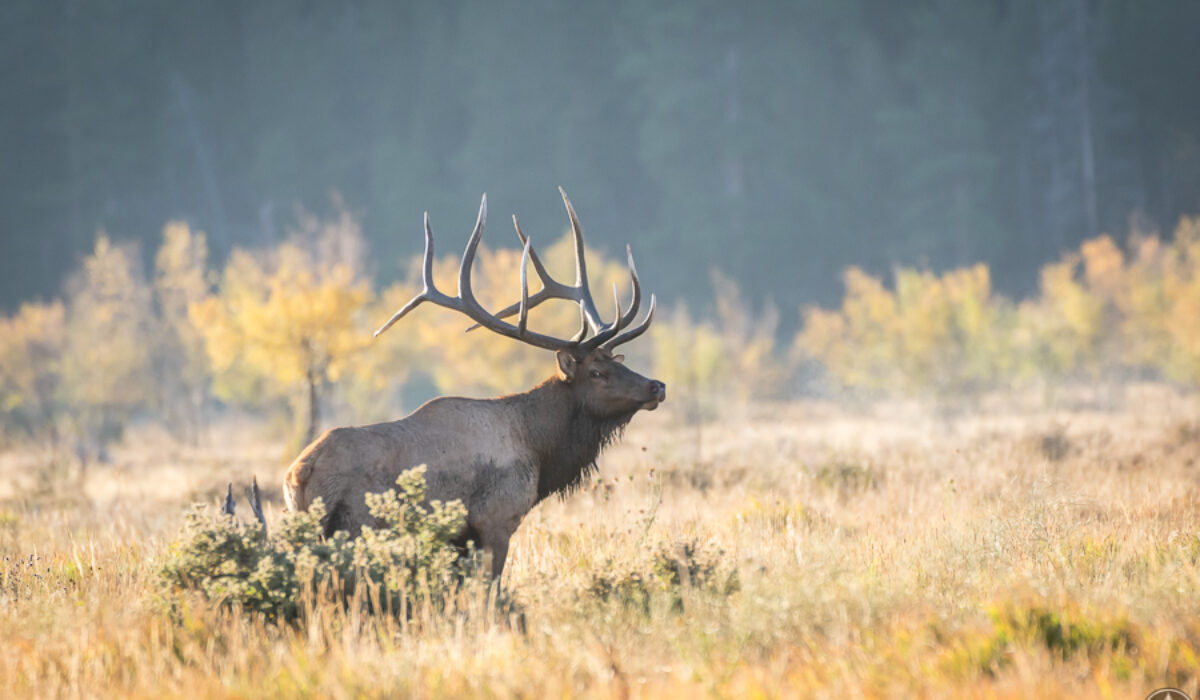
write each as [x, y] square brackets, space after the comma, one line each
[286, 332]
[1101, 313]
[941, 334]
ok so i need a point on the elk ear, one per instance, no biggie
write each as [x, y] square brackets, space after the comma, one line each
[568, 364]
[618, 358]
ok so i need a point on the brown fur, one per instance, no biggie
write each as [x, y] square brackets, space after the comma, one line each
[498, 456]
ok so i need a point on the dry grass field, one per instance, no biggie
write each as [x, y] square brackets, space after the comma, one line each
[1014, 553]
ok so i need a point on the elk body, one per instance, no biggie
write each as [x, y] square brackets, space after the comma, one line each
[500, 456]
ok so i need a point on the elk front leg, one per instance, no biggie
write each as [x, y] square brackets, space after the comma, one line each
[510, 497]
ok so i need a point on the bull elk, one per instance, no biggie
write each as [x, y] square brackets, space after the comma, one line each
[499, 456]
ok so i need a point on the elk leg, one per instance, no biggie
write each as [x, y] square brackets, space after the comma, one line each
[337, 518]
[467, 537]
[499, 551]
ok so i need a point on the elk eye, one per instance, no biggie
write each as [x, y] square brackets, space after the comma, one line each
[597, 374]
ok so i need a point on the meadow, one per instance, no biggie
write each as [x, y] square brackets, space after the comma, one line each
[928, 490]
[1014, 551]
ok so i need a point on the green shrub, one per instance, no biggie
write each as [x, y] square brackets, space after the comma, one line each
[409, 561]
[1062, 632]
[671, 569]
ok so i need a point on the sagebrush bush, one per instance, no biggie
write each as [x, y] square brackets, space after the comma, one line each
[671, 570]
[409, 561]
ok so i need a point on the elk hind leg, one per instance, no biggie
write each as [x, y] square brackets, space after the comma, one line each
[337, 518]
[497, 548]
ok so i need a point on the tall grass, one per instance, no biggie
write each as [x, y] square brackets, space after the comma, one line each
[1013, 554]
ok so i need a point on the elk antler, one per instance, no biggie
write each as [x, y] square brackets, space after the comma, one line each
[604, 335]
[580, 292]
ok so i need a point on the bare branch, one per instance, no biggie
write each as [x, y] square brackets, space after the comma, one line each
[228, 507]
[255, 498]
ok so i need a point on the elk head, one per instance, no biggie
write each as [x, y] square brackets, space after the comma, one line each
[607, 388]
[603, 386]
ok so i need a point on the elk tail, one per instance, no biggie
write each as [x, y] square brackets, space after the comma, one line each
[295, 481]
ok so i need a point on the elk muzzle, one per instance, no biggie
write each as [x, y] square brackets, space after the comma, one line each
[658, 394]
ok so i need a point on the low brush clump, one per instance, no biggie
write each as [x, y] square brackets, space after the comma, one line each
[672, 571]
[410, 561]
[848, 477]
[1063, 633]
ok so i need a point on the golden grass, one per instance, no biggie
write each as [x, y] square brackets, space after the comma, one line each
[1006, 555]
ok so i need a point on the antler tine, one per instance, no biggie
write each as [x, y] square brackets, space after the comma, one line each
[609, 330]
[581, 278]
[632, 332]
[428, 291]
[636, 301]
[523, 317]
[553, 289]
[605, 334]
[534, 258]
[469, 305]
[468, 258]
[583, 326]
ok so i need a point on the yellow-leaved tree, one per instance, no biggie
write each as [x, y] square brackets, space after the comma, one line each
[856, 342]
[109, 321]
[689, 356]
[753, 371]
[182, 369]
[1161, 304]
[31, 355]
[953, 332]
[282, 327]
[1070, 328]
[946, 335]
[1183, 322]
[1146, 304]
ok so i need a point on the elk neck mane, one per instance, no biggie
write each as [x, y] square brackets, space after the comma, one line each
[565, 436]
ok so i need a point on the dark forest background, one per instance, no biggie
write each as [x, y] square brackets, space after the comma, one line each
[777, 141]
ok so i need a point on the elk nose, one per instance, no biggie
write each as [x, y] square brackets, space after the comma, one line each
[659, 389]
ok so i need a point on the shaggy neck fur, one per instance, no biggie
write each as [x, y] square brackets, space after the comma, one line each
[566, 437]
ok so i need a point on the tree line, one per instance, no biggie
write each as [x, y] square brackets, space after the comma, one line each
[283, 332]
